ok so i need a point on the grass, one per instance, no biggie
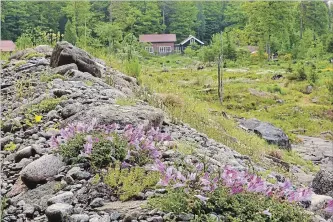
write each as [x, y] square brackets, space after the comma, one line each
[125, 101]
[48, 78]
[20, 63]
[202, 110]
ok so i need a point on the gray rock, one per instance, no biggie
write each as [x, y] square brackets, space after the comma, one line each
[70, 110]
[24, 153]
[58, 212]
[5, 140]
[61, 92]
[267, 131]
[65, 53]
[155, 219]
[66, 197]
[52, 115]
[308, 89]
[108, 114]
[64, 68]
[323, 182]
[28, 210]
[97, 202]
[114, 216]
[40, 170]
[77, 174]
[79, 218]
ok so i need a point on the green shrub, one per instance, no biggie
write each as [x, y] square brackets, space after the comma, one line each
[129, 183]
[46, 105]
[133, 68]
[231, 208]
[72, 148]
[301, 74]
[313, 76]
[105, 151]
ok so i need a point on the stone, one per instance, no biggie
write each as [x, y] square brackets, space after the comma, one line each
[155, 219]
[24, 153]
[77, 174]
[70, 110]
[323, 182]
[97, 202]
[52, 115]
[40, 170]
[308, 89]
[5, 140]
[79, 218]
[108, 114]
[28, 210]
[58, 212]
[66, 197]
[64, 68]
[65, 53]
[61, 92]
[114, 216]
[267, 131]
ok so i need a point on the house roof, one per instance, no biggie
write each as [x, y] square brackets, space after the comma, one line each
[158, 38]
[7, 45]
[191, 37]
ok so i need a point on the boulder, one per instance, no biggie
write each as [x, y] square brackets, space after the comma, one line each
[64, 68]
[70, 110]
[40, 170]
[66, 197]
[79, 218]
[24, 153]
[108, 114]
[323, 182]
[267, 131]
[58, 212]
[65, 53]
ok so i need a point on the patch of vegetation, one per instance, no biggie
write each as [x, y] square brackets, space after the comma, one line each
[20, 63]
[3, 206]
[126, 101]
[231, 208]
[49, 78]
[103, 152]
[46, 105]
[133, 68]
[184, 148]
[89, 83]
[128, 183]
[95, 180]
[33, 55]
[10, 147]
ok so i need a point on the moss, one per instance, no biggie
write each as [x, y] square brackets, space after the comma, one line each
[46, 105]
[10, 147]
[128, 183]
[20, 63]
[48, 78]
[125, 101]
[89, 83]
[33, 55]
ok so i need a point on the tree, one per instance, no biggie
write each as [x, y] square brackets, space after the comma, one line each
[70, 33]
[183, 19]
[110, 34]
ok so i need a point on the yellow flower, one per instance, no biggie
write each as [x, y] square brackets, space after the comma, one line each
[38, 118]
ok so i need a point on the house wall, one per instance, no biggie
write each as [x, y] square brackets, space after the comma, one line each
[156, 46]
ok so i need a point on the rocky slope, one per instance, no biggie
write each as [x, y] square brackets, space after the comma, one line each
[44, 90]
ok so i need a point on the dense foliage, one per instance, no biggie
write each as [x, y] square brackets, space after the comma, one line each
[303, 29]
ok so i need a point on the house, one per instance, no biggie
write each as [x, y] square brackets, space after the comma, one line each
[190, 40]
[7, 46]
[160, 43]
[253, 49]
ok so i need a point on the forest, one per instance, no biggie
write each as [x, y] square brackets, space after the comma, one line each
[302, 29]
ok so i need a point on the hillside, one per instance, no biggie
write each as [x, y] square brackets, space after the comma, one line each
[80, 142]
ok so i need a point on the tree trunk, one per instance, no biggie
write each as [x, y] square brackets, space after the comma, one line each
[301, 21]
[220, 73]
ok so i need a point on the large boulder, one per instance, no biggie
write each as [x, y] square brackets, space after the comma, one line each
[65, 53]
[267, 131]
[39, 171]
[323, 182]
[59, 212]
[108, 114]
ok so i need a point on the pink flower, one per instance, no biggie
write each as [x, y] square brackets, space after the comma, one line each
[329, 206]
[202, 198]
[266, 212]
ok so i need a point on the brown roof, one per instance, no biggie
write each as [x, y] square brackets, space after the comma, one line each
[7, 45]
[158, 38]
[252, 49]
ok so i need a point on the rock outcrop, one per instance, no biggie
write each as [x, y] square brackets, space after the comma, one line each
[267, 131]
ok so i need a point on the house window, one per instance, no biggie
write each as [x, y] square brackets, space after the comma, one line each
[164, 49]
[150, 49]
[192, 41]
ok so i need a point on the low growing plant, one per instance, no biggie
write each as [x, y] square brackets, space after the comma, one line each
[10, 147]
[129, 182]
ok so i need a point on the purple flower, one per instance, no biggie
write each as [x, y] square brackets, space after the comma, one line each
[177, 185]
[192, 176]
[329, 206]
[266, 212]
[202, 198]
[125, 165]
[87, 148]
